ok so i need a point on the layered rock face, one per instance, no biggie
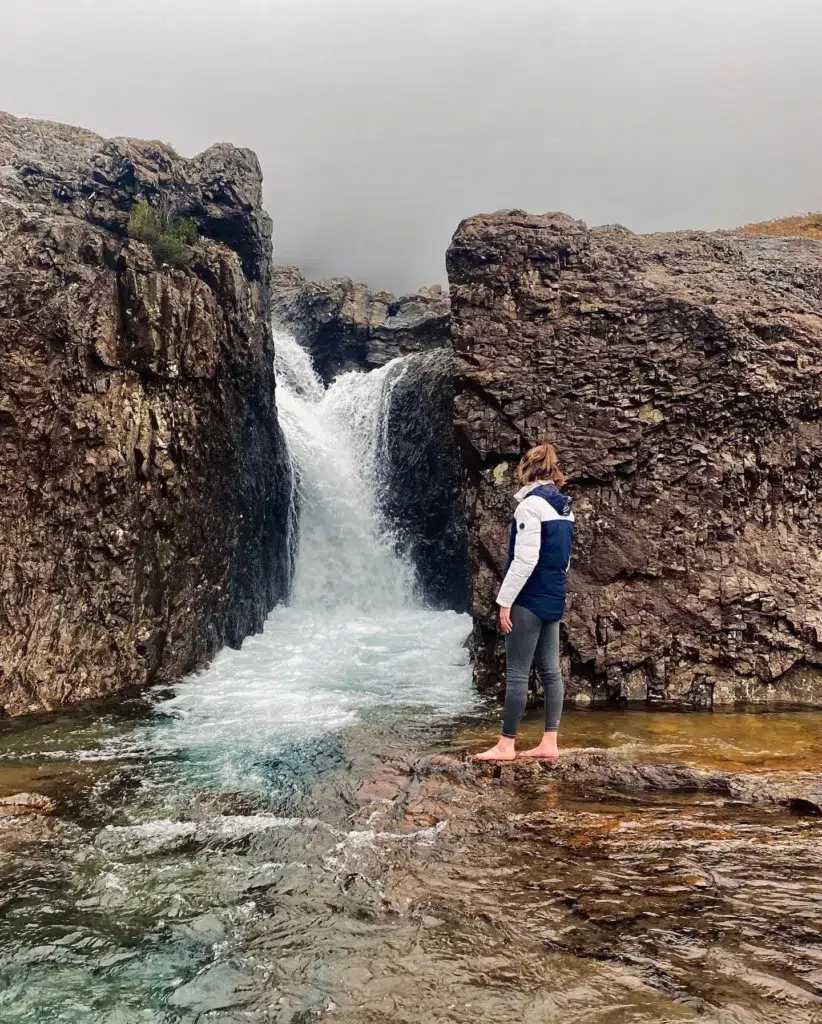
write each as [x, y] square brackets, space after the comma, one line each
[144, 482]
[347, 326]
[679, 376]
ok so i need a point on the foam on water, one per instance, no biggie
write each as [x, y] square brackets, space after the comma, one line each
[352, 637]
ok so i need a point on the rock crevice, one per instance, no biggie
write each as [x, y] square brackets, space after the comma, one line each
[346, 325]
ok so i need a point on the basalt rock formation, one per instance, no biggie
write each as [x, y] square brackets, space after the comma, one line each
[144, 481]
[680, 376]
[347, 326]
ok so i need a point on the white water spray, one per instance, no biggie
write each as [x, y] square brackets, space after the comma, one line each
[345, 553]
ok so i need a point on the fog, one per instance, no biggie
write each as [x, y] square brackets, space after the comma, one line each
[381, 123]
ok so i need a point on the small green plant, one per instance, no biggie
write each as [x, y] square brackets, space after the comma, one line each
[169, 237]
[172, 152]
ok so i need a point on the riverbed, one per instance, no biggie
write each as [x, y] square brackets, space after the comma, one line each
[373, 874]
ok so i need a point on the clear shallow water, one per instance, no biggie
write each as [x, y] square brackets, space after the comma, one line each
[163, 865]
[754, 741]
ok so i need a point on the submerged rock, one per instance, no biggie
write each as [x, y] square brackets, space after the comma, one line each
[26, 803]
[594, 772]
[218, 988]
[607, 875]
[144, 476]
[347, 326]
[679, 376]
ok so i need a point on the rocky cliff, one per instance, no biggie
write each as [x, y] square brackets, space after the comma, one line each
[347, 326]
[143, 479]
[680, 376]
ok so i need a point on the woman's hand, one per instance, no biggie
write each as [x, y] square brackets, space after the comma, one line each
[505, 620]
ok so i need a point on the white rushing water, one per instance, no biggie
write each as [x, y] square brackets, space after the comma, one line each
[352, 637]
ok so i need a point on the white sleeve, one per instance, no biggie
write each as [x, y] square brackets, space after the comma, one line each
[526, 553]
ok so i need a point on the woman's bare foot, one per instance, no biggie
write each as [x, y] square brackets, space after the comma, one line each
[503, 750]
[547, 747]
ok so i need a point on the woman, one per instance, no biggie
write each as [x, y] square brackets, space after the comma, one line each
[532, 598]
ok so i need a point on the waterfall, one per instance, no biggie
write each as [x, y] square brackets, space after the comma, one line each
[343, 551]
[353, 637]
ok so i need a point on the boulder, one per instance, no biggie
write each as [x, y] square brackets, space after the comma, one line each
[25, 803]
[144, 480]
[679, 376]
[347, 326]
[421, 481]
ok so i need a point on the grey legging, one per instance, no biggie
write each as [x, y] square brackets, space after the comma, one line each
[531, 635]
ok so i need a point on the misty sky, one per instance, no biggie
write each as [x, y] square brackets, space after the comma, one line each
[381, 123]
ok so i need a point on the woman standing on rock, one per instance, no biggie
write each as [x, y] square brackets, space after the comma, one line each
[532, 598]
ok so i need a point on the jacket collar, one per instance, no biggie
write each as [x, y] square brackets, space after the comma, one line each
[523, 492]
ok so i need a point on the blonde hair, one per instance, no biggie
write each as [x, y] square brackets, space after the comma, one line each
[540, 463]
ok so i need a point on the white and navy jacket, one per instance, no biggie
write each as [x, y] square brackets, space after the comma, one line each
[539, 551]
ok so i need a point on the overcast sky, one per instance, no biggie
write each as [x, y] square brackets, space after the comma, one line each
[381, 123]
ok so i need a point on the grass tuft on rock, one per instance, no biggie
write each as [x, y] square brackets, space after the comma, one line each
[169, 237]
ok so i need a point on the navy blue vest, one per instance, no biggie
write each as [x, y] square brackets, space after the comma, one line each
[544, 593]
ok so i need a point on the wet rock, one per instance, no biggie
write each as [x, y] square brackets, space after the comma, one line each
[152, 530]
[381, 785]
[422, 477]
[26, 803]
[218, 988]
[347, 326]
[603, 773]
[679, 376]
[694, 886]
[206, 928]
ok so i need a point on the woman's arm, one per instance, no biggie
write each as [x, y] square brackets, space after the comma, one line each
[526, 552]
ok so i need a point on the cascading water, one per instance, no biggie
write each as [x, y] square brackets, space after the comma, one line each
[353, 637]
[345, 556]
